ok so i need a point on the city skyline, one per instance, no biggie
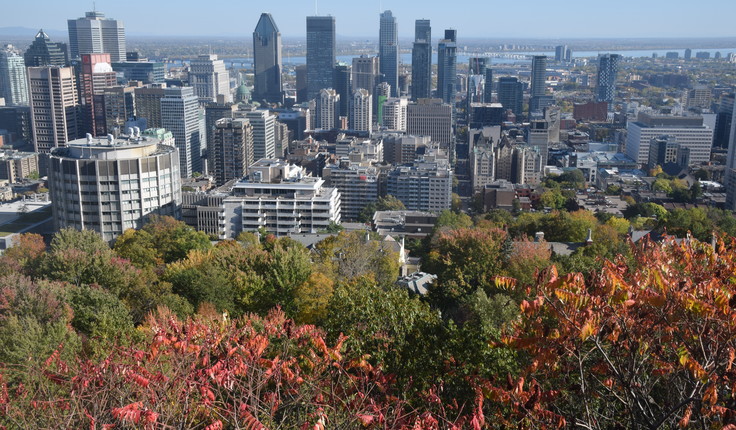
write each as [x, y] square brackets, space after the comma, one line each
[673, 19]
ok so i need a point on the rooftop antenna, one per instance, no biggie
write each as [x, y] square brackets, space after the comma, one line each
[315, 8]
[94, 6]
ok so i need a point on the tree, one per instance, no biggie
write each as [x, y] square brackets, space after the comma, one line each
[355, 254]
[552, 199]
[387, 203]
[449, 219]
[456, 203]
[645, 346]
[162, 239]
[312, 297]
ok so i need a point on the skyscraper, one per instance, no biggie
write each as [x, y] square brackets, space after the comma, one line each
[264, 141]
[511, 94]
[44, 52]
[538, 82]
[477, 80]
[560, 53]
[267, 61]
[488, 88]
[342, 86]
[607, 71]
[210, 78]
[388, 51]
[361, 111]
[13, 79]
[54, 106]
[94, 34]
[731, 166]
[421, 61]
[327, 109]
[94, 77]
[148, 105]
[232, 149]
[180, 115]
[321, 53]
[447, 67]
[366, 73]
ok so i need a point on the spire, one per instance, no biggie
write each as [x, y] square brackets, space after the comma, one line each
[589, 240]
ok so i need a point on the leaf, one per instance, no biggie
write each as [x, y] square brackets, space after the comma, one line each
[587, 330]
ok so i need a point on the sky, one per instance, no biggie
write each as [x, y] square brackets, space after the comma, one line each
[542, 19]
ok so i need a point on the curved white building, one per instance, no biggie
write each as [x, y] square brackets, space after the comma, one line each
[110, 185]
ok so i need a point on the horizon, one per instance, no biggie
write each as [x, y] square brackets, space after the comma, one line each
[651, 20]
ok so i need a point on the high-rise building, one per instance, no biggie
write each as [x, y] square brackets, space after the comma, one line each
[232, 149]
[511, 94]
[388, 51]
[321, 54]
[538, 83]
[214, 112]
[361, 111]
[111, 185]
[477, 80]
[430, 117]
[143, 71]
[210, 78]
[380, 94]
[281, 137]
[94, 34]
[561, 53]
[394, 114]
[358, 184]
[148, 105]
[366, 73]
[343, 88]
[94, 76]
[690, 133]
[264, 141]
[54, 106]
[730, 174]
[44, 52]
[607, 71]
[301, 83]
[447, 67]
[538, 136]
[422, 186]
[119, 105]
[13, 79]
[267, 61]
[327, 109]
[488, 88]
[724, 116]
[688, 53]
[180, 115]
[421, 61]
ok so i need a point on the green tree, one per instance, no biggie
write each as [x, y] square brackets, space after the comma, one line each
[355, 254]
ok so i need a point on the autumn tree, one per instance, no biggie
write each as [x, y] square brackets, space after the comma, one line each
[649, 345]
[351, 255]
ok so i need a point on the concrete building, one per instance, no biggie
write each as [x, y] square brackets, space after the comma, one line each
[662, 150]
[423, 185]
[395, 114]
[388, 51]
[232, 149]
[54, 106]
[43, 52]
[327, 109]
[214, 112]
[361, 111]
[699, 97]
[447, 67]
[421, 61]
[16, 166]
[180, 115]
[210, 78]
[94, 34]
[119, 103]
[430, 117]
[690, 133]
[590, 111]
[730, 176]
[538, 136]
[279, 198]
[148, 105]
[402, 149]
[13, 79]
[264, 141]
[267, 61]
[358, 184]
[321, 54]
[111, 185]
[365, 73]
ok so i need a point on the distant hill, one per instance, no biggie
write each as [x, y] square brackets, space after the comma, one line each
[30, 32]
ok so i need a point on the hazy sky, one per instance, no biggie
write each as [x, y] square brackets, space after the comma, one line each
[546, 19]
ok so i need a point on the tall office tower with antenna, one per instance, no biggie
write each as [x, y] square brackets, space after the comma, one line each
[321, 54]
[95, 34]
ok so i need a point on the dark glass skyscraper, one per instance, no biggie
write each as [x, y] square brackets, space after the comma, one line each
[488, 89]
[320, 54]
[607, 71]
[421, 61]
[538, 81]
[44, 52]
[388, 51]
[511, 94]
[476, 80]
[447, 67]
[342, 87]
[267, 61]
